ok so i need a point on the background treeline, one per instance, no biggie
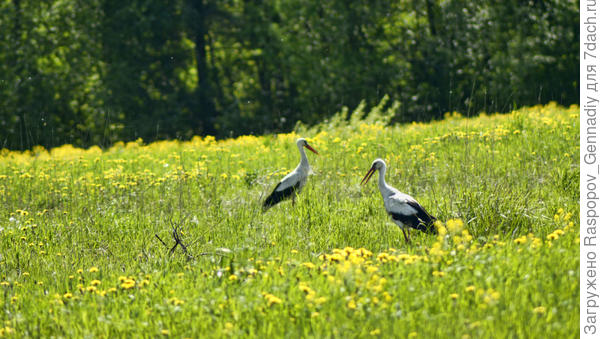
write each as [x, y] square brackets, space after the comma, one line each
[96, 71]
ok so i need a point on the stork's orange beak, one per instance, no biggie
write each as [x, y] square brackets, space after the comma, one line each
[311, 149]
[368, 176]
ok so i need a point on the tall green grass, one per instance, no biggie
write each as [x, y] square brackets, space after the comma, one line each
[80, 253]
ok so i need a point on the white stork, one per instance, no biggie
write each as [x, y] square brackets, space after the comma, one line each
[292, 183]
[405, 211]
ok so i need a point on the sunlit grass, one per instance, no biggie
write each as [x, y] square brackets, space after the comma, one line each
[79, 255]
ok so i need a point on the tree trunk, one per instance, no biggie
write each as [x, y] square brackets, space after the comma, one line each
[206, 113]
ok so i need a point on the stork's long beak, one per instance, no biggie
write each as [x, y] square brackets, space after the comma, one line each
[311, 149]
[368, 176]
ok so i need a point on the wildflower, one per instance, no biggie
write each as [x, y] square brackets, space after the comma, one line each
[305, 288]
[520, 240]
[352, 304]
[80, 271]
[68, 295]
[175, 301]
[453, 296]
[95, 282]
[127, 284]
[539, 310]
[438, 274]
[320, 300]
[552, 236]
[454, 225]
[375, 332]
[308, 265]
[233, 277]
[271, 299]
[470, 288]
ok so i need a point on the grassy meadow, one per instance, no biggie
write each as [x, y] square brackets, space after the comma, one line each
[80, 253]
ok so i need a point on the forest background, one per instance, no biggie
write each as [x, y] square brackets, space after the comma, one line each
[99, 71]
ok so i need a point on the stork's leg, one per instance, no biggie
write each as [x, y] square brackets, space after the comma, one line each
[405, 237]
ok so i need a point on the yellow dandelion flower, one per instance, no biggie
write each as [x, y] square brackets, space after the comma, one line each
[470, 288]
[375, 332]
[271, 299]
[539, 310]
[95, 282]
[520, 240]
[351, 305]
[68, 295]
[305, 288]
[552, 236]
[93, 269]
[320, 300]
[233, 277]
[438, 274]
[308, 265]
[453, 296]
[454, 225]
[127, 284]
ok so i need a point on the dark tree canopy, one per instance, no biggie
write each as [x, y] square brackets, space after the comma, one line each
[98, 71]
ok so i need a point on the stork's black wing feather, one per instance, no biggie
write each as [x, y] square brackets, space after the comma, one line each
[278, 196]
[422, 221]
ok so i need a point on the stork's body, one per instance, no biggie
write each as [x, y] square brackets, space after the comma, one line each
[404, 210]
[292, 183]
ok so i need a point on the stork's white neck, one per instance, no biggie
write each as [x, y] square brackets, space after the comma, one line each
[384, 188]
[303, 158]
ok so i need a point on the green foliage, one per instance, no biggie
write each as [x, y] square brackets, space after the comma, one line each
[78, 250]
[93, 72]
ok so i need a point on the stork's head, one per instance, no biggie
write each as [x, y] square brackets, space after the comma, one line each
[301, 142]
[377, 164]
